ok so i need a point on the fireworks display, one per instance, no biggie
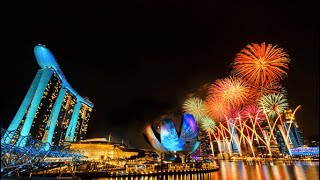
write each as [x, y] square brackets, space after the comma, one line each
[196, 107]
[216, 109]
[261, 64]
[253, 111]
[250, 99]
[273, 104]
[231, 91]
[269, 88]
[208, 124]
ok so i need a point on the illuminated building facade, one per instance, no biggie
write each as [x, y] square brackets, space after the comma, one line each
[305, 151]
[170, 141]
[101, 149]
[52, 111]
[295, 134]
[204, 149]
[280, 147]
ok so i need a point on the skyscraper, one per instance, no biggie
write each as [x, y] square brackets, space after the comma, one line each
[294, 133]
[52, 111]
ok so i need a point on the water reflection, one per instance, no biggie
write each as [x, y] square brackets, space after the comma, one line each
[243, 171]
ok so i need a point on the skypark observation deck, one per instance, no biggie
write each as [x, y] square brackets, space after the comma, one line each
[52, 111]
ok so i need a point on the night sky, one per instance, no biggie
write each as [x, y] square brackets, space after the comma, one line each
[137, 61]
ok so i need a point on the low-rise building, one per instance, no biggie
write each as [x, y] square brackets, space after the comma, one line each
[100, 149]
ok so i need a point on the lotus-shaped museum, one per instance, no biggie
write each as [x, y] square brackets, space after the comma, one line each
[185, 140]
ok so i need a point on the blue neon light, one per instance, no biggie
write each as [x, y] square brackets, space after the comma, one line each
[305, 151]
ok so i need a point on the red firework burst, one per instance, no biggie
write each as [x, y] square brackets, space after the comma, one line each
[253, 111]
[234, 113]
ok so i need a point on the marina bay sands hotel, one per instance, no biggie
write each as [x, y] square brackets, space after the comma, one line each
[52, 111]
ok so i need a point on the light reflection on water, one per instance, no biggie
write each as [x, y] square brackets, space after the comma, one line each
[241, 170]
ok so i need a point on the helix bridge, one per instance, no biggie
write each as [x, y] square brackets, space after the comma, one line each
[34, 156]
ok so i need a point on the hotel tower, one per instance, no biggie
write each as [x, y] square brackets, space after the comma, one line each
[52, 111]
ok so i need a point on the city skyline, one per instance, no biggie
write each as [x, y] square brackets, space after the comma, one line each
[144, 67]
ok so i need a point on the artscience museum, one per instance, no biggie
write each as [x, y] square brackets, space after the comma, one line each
[171, 140]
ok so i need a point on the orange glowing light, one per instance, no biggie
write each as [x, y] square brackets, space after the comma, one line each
[261, 64]
[230, 91]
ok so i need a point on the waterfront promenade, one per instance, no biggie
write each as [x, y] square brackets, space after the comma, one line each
[228, 169]
[128, 170]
